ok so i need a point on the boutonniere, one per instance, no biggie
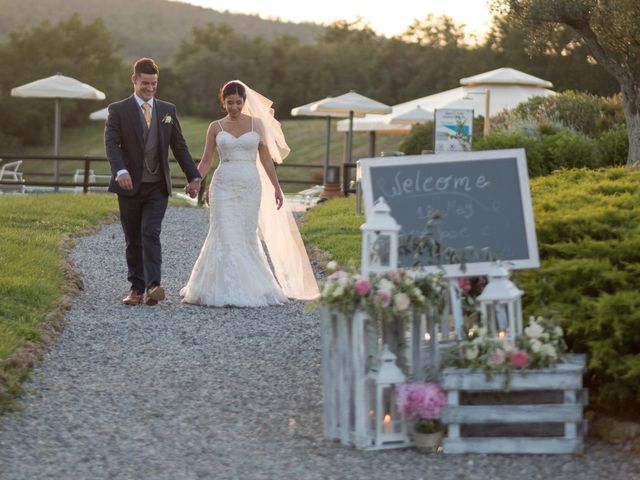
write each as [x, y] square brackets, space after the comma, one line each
[168, 119]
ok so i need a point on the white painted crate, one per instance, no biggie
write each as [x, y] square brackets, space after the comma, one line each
[541, 412]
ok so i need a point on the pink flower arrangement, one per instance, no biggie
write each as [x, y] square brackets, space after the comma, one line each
[384, 297]
[362, 287]
[496, 358]
[519, 359]
[423, 403]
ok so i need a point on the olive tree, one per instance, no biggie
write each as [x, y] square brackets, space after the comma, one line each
[609, 29]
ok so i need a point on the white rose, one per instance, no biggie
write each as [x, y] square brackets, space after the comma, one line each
[549, 351]
[558, 332]
[415, 291]
[536, 346]
[471, 353]
[327, 289]
[482, 332]
[332, 266]
[338, 291]
[343, 281]
[534, 330]
[385, 284]
[401, 301]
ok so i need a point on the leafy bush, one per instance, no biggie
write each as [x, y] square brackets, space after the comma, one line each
[578, 111]
[587, 225]
[536, 159]
[570, 150]
[614, 146]
[420, 138]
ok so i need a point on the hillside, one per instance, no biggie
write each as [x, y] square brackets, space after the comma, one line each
[145, 27]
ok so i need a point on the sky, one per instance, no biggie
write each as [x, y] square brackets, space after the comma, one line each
[386, 18]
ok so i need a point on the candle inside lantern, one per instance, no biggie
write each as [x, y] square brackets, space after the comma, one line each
[386, 424]
[427, 337]
[501, 335]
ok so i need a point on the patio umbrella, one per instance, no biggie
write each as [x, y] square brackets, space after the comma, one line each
[57, 87]
[99, 114]
[410, 117]
[305, 110]
[353, 104]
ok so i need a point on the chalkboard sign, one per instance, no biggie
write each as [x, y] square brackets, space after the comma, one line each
[479, 205]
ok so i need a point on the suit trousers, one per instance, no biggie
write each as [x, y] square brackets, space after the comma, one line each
[141, 218]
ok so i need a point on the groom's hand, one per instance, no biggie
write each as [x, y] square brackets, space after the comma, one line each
[193, 188]
[124, 181]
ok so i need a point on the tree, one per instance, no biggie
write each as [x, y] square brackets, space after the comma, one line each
[609, 29]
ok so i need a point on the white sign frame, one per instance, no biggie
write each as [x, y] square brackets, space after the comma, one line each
[471, 268]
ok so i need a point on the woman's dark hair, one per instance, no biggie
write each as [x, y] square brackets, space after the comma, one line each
[232, 88]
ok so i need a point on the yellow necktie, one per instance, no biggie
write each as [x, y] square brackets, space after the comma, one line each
[147, 114]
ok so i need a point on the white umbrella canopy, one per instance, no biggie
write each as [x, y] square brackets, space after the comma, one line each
[353, 104]
[99, 114]
[410, 117]
[306, 111]
[57, 87]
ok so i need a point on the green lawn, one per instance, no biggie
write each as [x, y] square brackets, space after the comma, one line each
[306, 139]
[31, 276]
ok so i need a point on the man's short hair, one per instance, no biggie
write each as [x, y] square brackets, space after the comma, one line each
[145, 65]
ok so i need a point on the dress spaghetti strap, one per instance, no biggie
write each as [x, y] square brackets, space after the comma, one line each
[220, 125]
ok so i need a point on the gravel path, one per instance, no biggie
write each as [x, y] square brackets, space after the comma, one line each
[186, 392]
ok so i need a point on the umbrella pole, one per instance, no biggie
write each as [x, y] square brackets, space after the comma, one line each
[350, 138]
[327, 152]
[372, 144]
[56, 144]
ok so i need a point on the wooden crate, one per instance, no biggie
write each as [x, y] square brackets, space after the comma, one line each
[541, 412]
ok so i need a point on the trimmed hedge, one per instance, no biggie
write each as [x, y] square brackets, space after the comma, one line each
[588, 227]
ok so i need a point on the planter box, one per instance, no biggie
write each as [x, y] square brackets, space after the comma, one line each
[541, 412]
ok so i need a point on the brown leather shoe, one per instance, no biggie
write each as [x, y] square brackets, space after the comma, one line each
[133, 298]
[154, 295]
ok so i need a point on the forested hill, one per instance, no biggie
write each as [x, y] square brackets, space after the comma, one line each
[145, 27]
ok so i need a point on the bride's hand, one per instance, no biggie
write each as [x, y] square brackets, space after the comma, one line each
[279, 199]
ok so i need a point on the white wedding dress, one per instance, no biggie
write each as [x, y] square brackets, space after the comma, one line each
[232, 268]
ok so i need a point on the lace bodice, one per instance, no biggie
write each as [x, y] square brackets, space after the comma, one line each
[237, 149]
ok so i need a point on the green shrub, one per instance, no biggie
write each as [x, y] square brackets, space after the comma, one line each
[614, 146]
[420, 138]
[579, 111]
[499, 139]
[588, 228]
[570, 150]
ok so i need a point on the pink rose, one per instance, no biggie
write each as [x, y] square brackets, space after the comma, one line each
[384, 297]
[465, 284]
[362, 287]
[519, 359]
[496, 358]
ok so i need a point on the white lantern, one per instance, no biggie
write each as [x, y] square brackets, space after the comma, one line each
[379, 240]
[501, 305]
[387, 425]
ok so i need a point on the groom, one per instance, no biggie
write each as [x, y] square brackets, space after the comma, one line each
[137, 136]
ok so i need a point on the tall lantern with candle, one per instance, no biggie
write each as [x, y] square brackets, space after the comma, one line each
[501, 305]
[379, 240]
[387, 425]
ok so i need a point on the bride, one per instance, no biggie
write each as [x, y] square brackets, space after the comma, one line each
[247, 206]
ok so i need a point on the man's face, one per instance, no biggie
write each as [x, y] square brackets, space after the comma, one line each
[145, 85]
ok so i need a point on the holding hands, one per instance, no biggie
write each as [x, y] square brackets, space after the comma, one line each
[192, 188]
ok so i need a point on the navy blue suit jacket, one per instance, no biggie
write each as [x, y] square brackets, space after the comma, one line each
[124, 143]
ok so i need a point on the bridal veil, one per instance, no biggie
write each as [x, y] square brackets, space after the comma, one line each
[277, 228]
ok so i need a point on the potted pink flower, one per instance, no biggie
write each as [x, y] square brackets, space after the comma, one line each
[423, 403]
